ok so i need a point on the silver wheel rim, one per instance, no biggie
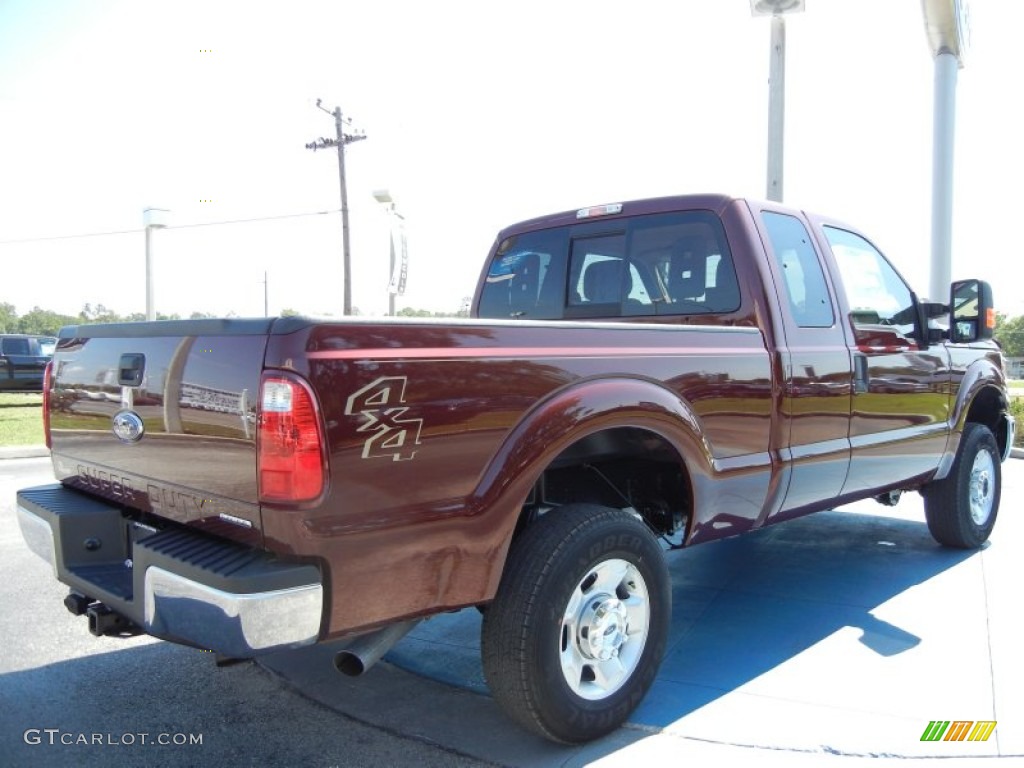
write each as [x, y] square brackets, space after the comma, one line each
[982, 487]
[604, 629]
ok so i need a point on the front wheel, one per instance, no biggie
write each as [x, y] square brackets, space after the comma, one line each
[961, 508]
[576, 633]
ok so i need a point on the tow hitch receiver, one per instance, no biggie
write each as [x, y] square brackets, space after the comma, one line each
[103, 621]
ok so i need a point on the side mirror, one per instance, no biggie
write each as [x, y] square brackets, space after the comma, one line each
[971, 314]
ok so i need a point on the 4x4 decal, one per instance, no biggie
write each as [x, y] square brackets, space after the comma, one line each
[381, 406]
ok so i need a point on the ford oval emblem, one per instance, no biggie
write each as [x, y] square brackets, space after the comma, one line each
[128, 426]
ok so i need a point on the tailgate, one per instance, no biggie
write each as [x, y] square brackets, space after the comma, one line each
[161, 417]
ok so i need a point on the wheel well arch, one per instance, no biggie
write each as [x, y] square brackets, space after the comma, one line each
[626, 467]
[593, 423]
[987, 407]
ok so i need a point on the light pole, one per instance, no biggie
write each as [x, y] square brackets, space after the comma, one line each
[342, 139]
[396, 280]
[946, 23]
[776, 87]
[152, 218]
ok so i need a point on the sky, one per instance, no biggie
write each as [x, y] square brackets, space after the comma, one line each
[477, 115]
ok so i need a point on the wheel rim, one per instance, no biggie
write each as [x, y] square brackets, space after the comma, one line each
[604, 629]
[982, 487]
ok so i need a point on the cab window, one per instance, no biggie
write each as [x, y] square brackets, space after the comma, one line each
[802, 276]
[525, 277]
[658, 264]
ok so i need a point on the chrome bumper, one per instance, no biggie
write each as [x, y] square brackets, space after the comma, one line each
[238, 625]
[176, 584]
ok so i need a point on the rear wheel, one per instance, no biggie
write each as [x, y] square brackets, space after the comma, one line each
[961, 508]
[575, 635]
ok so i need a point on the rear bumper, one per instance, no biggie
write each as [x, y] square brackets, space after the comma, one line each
[177, 583]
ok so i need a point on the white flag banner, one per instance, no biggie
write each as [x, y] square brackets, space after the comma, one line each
[399, 249]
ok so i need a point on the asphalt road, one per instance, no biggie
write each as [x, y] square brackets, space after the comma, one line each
[68, 698]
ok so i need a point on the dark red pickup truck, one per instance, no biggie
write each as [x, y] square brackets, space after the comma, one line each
[679, 369]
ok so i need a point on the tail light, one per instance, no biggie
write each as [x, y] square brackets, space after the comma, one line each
[47, 386]
[290, 441]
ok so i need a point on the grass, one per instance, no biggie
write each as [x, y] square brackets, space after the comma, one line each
[21, 419]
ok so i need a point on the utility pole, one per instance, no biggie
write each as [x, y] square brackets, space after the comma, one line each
[266, 301]
[340, 141]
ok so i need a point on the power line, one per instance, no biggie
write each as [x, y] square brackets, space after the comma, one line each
[172, 226]
[259, 218]
[69, 237]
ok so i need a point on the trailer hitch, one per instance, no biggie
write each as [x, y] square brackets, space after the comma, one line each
[104, 621]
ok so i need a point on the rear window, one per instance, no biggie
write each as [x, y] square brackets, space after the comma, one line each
[661, 264]
[15, 346]
[28, 346]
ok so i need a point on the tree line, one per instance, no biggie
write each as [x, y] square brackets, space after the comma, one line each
[1009, 333]
[46, 322]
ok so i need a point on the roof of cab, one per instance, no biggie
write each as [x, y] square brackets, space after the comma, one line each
[711, 201]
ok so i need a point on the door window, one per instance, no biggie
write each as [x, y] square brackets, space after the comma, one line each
[875, 292]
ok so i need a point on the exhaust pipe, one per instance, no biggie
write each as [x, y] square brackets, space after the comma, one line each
[366, 650]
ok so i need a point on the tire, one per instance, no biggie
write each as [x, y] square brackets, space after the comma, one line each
[575, 635]
[961, 508]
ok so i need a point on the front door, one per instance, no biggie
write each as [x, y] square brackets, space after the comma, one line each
[901, 398]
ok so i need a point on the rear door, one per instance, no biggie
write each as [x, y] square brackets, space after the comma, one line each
[815, 365]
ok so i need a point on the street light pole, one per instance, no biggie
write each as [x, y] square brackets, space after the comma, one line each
[776, 108]
[946, 24]
[340, 141]
[776, 89]
[152, 218]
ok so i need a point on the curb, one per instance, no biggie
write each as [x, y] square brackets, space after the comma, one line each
[23, 451]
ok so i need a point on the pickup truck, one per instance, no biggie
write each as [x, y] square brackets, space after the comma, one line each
[635, 378]
[22, 361]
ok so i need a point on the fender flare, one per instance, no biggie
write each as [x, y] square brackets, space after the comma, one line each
[982, 374]
[566, 416]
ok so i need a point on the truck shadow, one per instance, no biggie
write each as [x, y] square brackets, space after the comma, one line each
[746, 606]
